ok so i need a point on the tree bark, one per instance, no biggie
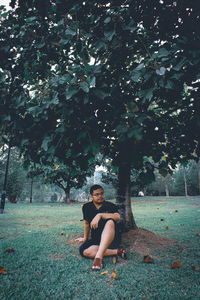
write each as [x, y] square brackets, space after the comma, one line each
[3, 195]
[185, 182]
[13, 199]
[31, 194]
[123, 199]
[198, 172]
[166, 187]
[67, 195]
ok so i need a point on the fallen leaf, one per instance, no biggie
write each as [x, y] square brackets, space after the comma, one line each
[67, 235]
[114, 275]
[114, 260]
[3, 271]
[195, 268]
[9, 250]
[103, 273]
[167, 227]
[62, 233]
[148, 259]
[176, 264]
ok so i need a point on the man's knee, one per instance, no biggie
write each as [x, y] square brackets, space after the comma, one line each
[111, 223]
[90, 252]
[86, 253]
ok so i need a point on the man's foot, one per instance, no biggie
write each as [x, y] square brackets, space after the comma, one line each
[97, 264]
[122, 253]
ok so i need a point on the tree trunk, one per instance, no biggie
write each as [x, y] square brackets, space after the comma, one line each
[3, 195]
[198, 172]
[185, 182]
[31, 194]
[123, 199]
[166, 187]
[13, 199]
[67, 195]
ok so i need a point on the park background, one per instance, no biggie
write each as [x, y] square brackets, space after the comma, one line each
[99, 92]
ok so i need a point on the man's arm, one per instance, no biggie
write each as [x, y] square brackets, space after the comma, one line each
[86, 230]
[95, 221]
[114, 216]
[86, 233]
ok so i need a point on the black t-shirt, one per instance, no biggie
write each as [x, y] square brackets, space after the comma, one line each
[90, 210]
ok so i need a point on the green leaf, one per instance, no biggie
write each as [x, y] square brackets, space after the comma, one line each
[109, 35]
[45, 143]
[170, 84]
[55, 99]
[92, 81]
[31, 19]
[84, 87]
[161, 71]
[71, 92]
[139, 67]
[135, 77]
[107, 20]
[162, 52]
[179, 66]
[40, 45]
[146, 94]
[70, 31]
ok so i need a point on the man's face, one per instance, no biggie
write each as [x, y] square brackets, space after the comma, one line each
[98, 196]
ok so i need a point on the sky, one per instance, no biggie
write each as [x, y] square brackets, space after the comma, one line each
[5, 2]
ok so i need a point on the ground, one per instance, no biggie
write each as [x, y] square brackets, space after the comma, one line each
[45, 263]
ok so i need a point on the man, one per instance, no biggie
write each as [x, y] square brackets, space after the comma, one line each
[100, 218]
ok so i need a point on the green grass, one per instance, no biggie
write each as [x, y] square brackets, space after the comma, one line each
[46, 266]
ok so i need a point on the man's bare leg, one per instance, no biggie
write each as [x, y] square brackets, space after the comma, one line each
[107, 237]
[92, 251]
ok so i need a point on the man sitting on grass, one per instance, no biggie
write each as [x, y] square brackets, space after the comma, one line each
[100, 217]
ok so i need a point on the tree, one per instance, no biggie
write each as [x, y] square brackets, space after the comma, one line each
[110, 77]
[65, 177]
[16, 174]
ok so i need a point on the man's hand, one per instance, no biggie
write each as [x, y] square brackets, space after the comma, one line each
[81, 240]
[95, 222]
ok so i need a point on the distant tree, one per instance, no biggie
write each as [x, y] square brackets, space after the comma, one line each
[16, 174]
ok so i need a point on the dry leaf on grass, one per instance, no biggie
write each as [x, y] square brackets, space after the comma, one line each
[195, 268]
[114, 275]
[105, 272]
[3, 271]
[176, 264]
[9, 250]
[148, 259]
[114, 260]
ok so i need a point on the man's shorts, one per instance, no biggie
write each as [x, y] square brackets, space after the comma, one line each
[96, 237]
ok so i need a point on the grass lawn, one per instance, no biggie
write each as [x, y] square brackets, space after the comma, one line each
[46, 265]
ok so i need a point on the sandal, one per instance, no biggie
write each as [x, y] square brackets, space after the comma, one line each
[122, 253]
[97, 264]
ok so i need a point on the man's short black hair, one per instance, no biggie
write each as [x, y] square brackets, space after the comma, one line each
[95, 187]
